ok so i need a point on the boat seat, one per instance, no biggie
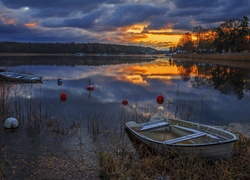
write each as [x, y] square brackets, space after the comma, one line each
[195, 131]
[154, 125]
[185, 138]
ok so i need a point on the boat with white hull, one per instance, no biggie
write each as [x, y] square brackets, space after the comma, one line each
[185, 138]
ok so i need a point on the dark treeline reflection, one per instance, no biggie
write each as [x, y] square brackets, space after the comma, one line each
[93, 60]
[226, 79]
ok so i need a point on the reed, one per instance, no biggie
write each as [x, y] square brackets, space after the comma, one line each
[21, 102]
[4, 101]
[120, 159]
[129, 165]
[126, 159]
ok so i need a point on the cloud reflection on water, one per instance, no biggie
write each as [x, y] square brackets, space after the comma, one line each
[140, 83]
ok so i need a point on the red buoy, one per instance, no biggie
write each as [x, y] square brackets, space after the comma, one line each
[125, 102]
[160, 99]
[90, 87]
[63, 97]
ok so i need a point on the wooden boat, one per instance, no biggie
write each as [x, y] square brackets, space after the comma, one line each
[19, 77]
[165, 135]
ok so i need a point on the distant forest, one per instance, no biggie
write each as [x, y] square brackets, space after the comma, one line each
[73, 48]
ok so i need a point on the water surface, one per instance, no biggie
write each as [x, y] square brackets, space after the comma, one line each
[206, 93]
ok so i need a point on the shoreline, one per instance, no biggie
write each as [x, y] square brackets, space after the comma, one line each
[235, 60]
[228, 57]
[34, 54]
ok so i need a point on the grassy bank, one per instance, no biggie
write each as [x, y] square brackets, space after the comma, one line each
[231, 57]
[143, 165]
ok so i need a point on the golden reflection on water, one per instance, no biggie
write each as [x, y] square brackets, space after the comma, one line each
[140, 73]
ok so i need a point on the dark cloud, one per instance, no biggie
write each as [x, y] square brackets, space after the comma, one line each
[111, 17]
[97, 20]
[58, 8]
[195, 3]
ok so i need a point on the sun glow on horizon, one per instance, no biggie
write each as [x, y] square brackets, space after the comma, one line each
[140, 34]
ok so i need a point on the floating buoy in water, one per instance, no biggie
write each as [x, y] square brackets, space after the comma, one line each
[160, 108]
[90, 87]
[125, 102]
[59, 82]
[160, 99]
[11, 123]
[63, 97]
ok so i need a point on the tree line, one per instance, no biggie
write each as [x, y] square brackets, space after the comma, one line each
[73, 48]
[231, 36]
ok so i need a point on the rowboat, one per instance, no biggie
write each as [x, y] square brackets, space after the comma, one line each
[19, 77]
[185, 138]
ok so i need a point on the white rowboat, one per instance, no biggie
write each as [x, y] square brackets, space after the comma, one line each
[185, 138]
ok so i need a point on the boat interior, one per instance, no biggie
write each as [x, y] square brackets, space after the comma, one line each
[175, 134]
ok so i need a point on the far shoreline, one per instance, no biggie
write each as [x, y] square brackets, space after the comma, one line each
[217, 56]
[241, 60]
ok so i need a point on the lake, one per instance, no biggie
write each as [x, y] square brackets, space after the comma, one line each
[58, 139]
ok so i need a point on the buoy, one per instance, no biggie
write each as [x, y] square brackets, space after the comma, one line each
[90, 87]
[125, 102]
[63, 97]
[160, 99]
[11, 123]
[160, 108]
[59, 82]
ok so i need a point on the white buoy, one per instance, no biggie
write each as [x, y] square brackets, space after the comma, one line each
[160, 108]
[11, 123]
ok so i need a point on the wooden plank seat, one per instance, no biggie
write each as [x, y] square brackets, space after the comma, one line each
[154, 125]
[185, 138]
[195, 131]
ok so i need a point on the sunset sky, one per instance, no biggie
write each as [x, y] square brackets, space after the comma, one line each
[155, 23]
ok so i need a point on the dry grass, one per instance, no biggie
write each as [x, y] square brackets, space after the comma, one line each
[129, 165]
[121, 162]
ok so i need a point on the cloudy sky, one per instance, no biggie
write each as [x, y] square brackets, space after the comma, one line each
[155, 23]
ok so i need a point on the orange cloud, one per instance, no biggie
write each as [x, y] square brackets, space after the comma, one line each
[141, 34]
[7, 21]
[30, 24]
[11, 21]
